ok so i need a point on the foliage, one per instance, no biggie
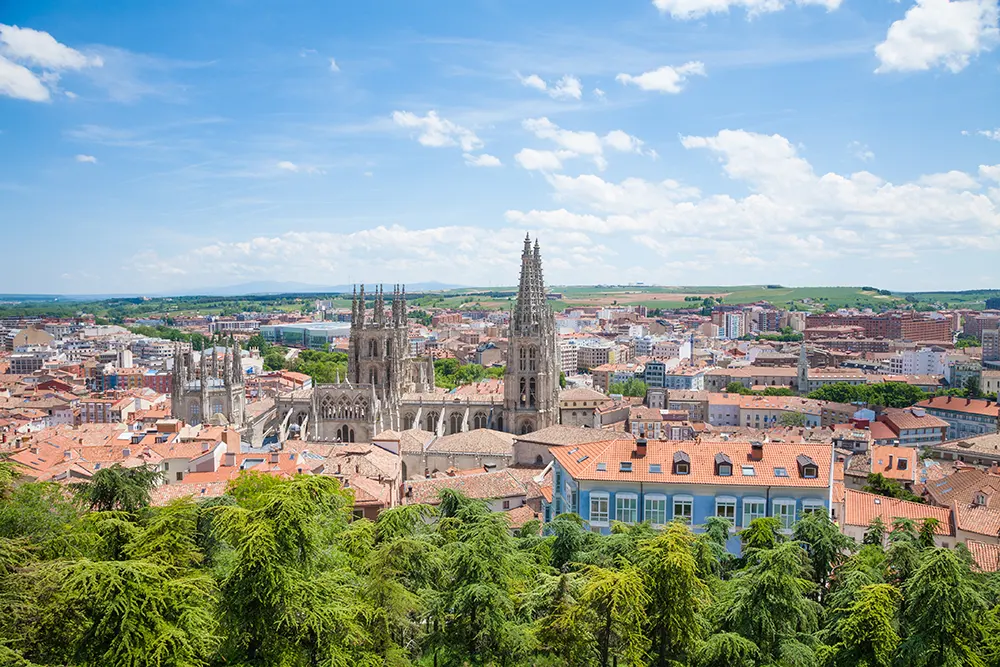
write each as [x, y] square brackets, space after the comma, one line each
[879, 484]
[630, 387]
[795, 419]
[119, 488]
[738, 388]
[449, 373]
[322, 367]
[885, 394]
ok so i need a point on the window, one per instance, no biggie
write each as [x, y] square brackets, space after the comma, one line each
[809, 472]
[725, 470]
[901, 464]
[625, 466]
[602, 467]
[683, 468]
[626, 507]
[725, 507]
[781, 472]
[655, 509]
[570, 498]
[748, 471]
[813, 506]
[753, 508]
[784, 512]
[655, 467]
[180, 476]
[599, 509]
[506, 504]
[683, 509]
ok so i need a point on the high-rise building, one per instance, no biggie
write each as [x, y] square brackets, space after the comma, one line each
[991, 344]
[531, 381]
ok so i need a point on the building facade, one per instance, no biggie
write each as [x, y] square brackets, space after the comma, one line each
[200, 394]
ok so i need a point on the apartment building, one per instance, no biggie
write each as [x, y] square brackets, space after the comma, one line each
[966, 417]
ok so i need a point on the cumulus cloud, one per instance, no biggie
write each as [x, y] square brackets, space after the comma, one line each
[436, 131]
[533, 160]
[939, 33]
[599, 94]
[482, 160]
[572, 144]
[791, 219]
[31, 62]
[665, 79]
[567, 88]
[86, 158]
[692, 9]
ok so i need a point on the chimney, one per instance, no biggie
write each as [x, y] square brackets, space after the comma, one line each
[890, 462]
[756, 451]
[230, 459]
[232, 439]
[640, 448]
[275, 457]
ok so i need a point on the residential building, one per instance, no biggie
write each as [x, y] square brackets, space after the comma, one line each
[861, 509]
[654, 373]
[980, 450]
[693, 403]
[724, 409]
[656, 481]
[569, 357]
[767, 411]
[991, 345]
[989, 383]
[578, 406]
[683, 376]
[914, 427]
[966, 417]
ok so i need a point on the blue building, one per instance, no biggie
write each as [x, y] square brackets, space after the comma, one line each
[661, 481]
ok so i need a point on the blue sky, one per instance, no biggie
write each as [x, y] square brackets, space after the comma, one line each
[170, 146]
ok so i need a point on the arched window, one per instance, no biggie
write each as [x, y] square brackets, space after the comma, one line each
[344, 433]
[500, 423]
[217, 408]
[480, 420]
[374, 376]
[523, 358]
[326, 408]
[532, 359]
[432, 421]
[388, 352]
[343, 408]
[531, 392]
[526, 427]
[408, 422]
[195, 413]
[455, 423]
[523, 394]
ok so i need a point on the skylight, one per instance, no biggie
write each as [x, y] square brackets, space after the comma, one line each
[781, 472]
[655, 467]
[582, 458]
[602, 467]
[748, 471]
[625, 466]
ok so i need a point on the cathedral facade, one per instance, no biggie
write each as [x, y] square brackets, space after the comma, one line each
[388, 389]
[209, 392]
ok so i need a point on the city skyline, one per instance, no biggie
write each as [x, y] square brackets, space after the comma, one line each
[815, 142]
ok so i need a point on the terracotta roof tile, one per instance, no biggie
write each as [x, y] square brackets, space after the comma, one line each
[861, 508]
[986, 556]
[976, 519]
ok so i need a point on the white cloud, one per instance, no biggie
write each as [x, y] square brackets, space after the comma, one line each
[861, 151]
[989, 134]
[792, 219]
[334, 67]
[71, 95]
[534, 160]
[666, 79]
[86, 158]
[952, 180]
[587, 144]
[436, 131]
[939, 33]
[568, 87]
[20, 83]
[285, 165]
[691, 9]
[599, 94]
[482, 160]
[22, 49]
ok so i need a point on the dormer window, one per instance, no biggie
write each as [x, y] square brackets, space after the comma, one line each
[807, 467]
[980, 499]
[723, 465]
[901, 464]
[682, 463]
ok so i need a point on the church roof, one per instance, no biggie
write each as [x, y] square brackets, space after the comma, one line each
[478, 441]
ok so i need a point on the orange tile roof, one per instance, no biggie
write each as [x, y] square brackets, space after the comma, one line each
[580, 462]
[885, 460]
[986, 556]
[900, 419]
[977, 519]
[861, 508]
[966, 405]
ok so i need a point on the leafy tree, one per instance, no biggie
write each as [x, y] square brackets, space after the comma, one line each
[868, 632]
[826, 545]
[794, 419]
[119, 488]
[941, 613]
[617, 600]
[876, 532]
[972, 389]
[879, 484]
[676, 594]
[727, 649]
[257, 341]
[631, 387]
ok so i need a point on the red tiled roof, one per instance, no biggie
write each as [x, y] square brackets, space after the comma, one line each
[986, 556]
[861, 508]
[900, 419]
[967, 405]
[977, 519]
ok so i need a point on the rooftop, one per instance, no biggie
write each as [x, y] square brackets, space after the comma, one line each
[861, 508]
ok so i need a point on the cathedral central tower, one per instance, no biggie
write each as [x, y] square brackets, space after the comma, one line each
[531, 380]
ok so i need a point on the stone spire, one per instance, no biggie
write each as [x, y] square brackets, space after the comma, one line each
[361, 307]
[803, 378]
[354, 307]
[528, 311]
[380, 305]
[227, 364]
[237, 365]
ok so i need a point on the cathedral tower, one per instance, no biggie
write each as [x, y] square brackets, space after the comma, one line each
[531, 381]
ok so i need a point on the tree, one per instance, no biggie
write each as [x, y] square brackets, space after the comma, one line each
[868, 633]
[562, 379]
[971, 387]
[879, 484]
[257, 342]
[631, 387]
[119, 488]
[676, 594]
[942, 612]
[826, 545]
[617, 601]
[727, 649]
[793, 419]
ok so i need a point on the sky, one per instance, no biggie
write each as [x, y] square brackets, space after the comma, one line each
[163, 147]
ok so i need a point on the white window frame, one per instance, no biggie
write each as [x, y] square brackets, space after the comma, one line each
[598, 496]
[633, 499]
[812, 504]
[750, 516]
[657, 498]
[682, 498]
[727, 501]
[780, 516]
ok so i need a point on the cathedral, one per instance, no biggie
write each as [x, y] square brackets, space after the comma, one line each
[210, 393]
[388, 389]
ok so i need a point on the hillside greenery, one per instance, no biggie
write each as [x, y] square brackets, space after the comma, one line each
[277, 572]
